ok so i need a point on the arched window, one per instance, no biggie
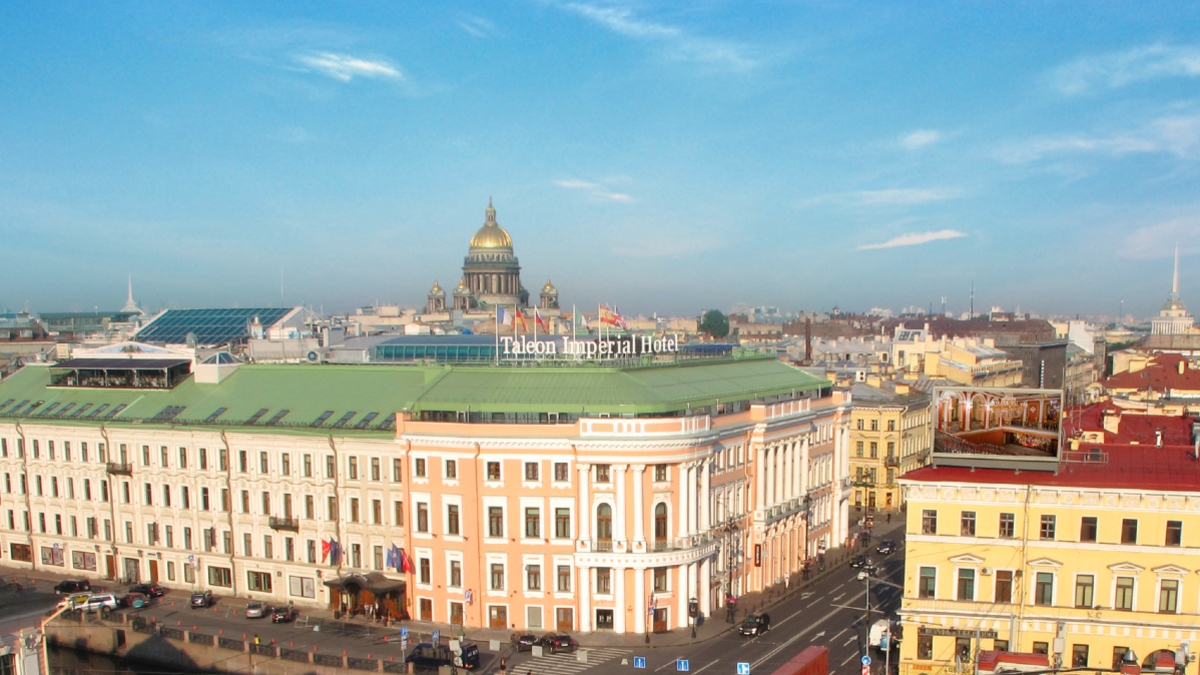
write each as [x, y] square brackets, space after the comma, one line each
[660, 522]
[604, 522]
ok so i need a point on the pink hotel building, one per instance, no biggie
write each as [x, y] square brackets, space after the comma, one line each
[572, 497]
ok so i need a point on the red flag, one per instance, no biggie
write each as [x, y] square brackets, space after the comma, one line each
[521, 318]
[537, 317]
[406, 561]
[326, 547]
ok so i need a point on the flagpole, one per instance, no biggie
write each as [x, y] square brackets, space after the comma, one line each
[574, 324]
[496, 353]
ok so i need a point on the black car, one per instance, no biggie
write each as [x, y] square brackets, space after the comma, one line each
[425, 658]
[149, 590]
[755, 625]
[202, 599]
[283, 614]
[555, 643]
[885, 547]
[523, 642]
[859, 561]
[73, 586]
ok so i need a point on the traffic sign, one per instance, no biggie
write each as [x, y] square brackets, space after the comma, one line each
[436, 635]
[404, 632]
[866, 660]
[743, 669]
[639, 662]
[681, 665]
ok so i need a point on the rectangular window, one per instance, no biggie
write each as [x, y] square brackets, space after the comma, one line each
[183, 458]
[562, 523]
[1174, 533]
[660, 580]
[874, 448]
[352, 468]
[248, 545]
[263, 464]
[1118, 657]
[397, 470]
[966, 584]
[354, 509]
[497, 577]
[331, 508]
[531, 471]
[203, 459]
[451, 469]
[422, 517]
[1084, 589]
[1124, 594]
[1079, 656]
[285, 464]
[452, 519]
[858, 448]
[243, 464]
[493, 470]
[561, 473]
[891, 425]
[533, 522]
[419, 467]
[928, 582]
[929, 521]
[455, 574]
[1004, 582]
[1044, 589]
[330, 466]
[495, 521]
[1008, 525]
[1168, 596]
[603, 580]
[259, 581]
[266, 503]
[398, 513]
[603, 473]
[1047, 530]
[1129, 531]
[533, 577]
[220, 576]
[967, 528]
[375, 471]
[924, 646]
[660, 473]
[1087, 529]
[376, 512]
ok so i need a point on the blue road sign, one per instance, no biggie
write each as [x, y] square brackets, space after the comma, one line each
[681, 665]
[639, 662]
[866, 660]
[404, 633]
[743, 669]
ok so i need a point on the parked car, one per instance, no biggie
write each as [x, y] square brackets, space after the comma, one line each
[202, 599]
[885, 547]
[425, 658]
[74, 601]
[523, 642]
[283, 614]
[135, 600]
[151, 590]
[100, 602]
[560, 642]
[257, 610]
[755, 625]
[73, 586]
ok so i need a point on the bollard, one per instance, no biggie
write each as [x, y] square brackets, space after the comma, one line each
[291, 644]
[243, 636]
[222, 631]
[343, 652]
[178, 623]
[194, 628]
[391, 658]
[368, 656]
[272, 640]
[314, 648]
[385, 638]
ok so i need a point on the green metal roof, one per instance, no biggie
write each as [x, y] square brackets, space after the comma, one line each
[309, 391]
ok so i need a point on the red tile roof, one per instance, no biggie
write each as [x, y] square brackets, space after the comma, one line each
[1161, 373]
[1133, 426]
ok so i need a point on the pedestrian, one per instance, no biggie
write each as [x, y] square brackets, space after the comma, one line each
[256, 640]
[503, 665]
[889, 518]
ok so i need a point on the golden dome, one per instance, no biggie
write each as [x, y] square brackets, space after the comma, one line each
[549, 287]
[491, 235]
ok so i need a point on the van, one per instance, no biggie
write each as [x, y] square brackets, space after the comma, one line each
[883, 633]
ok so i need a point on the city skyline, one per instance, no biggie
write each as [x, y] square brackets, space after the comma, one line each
[662, 159]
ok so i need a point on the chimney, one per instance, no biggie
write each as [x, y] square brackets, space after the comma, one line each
[807, 342]
[1158, 438]
[1182, 365]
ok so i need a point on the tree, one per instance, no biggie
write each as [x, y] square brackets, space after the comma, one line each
[714, 323]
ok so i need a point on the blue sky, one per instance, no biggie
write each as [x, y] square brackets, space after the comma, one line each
[660, 156]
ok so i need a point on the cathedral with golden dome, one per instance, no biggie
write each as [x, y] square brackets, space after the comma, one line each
[491, 275]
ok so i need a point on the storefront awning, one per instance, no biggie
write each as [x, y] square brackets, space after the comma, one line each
[375, 582]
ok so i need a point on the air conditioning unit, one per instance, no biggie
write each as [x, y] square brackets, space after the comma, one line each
[987, 571]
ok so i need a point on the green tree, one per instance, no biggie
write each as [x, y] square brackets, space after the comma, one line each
[714, 323]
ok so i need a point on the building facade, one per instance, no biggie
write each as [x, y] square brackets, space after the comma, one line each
[889, 437]
[552, 497]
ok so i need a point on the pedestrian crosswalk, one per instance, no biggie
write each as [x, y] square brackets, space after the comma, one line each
[569, 664]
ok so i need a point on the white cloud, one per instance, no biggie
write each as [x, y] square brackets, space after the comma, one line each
[885, 198]
[1178, 135]
[614, 196]
[345, 68]
[915, 238]
[477, 26]
[1150, 242]
[920, 138]
[597, 190]
[576, 184]
[1119, 69]
[677, 43]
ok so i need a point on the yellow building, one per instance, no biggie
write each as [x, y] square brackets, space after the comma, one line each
[889, 436]
[965, 360]
[1089, 556]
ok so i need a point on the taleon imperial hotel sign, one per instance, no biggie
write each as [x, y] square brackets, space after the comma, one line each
[600, 348]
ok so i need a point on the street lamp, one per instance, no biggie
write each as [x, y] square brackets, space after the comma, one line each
[693, 613]
[730, 530]
[865, 575]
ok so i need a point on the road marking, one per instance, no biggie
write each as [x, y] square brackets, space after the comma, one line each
[850, 658]
[667, 665]
[715, 661]
[849, 642]
[839, 634]
[801, 634]
[838, 596]
[806, 595]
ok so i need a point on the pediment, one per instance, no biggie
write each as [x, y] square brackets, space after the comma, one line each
[1126, 567]
[966, 559]
[1045, 562]
[1171, 569]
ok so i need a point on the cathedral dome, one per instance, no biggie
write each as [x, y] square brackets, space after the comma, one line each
[549, 287]
[491, 236]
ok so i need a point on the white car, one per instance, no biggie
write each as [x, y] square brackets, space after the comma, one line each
[101, 601]
[74, 601]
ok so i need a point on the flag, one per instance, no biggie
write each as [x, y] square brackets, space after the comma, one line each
[325, 550]
[390, 557]
[335, 552]
[579, 320]
[611, 317]
[521, 318]
[537, 318]
[406, 561]
[502, 318]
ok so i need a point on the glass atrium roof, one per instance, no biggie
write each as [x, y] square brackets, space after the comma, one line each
[211, 326]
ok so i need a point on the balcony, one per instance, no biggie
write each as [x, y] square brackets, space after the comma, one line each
[680, 543]
[891, 461]
[282, 523]
[603, 545]
[118, 468]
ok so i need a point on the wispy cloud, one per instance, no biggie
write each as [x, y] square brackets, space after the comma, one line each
[1119, 69]
[345, 68]
[477, 26]
[1158, 240]
[915, 239]
[670, 245]
[888, 198]
[1176, 135]
[920, 138]
[597, 190]
[676, 43]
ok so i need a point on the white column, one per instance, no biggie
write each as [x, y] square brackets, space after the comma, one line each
[760, 478]
[777, 467]
[785, 469]
[804, 469]
[693, 501]
[691, 585]
[681, 617]
[619, 600]
[683, 501]
[639, 516]
[620, 513]
[585, 503]
[585, 599]
[639, 601]
[705, 496]
[797, 471]
[706, 588]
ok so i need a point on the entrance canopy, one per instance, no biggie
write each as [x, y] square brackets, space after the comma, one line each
[375, 582]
